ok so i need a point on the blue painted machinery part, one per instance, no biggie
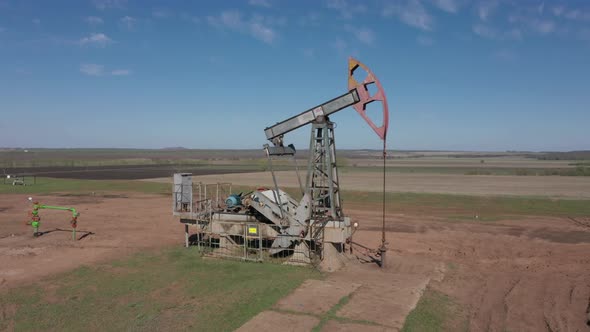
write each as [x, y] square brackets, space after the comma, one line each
[233, 200]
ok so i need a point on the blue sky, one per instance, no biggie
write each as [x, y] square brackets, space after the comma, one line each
[461, 75]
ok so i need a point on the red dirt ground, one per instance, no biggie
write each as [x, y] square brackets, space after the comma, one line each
[527, 274]
[120, 225]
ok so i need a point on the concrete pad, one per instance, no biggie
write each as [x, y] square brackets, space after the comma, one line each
[278, 321]
[386, 302]
[336, 326]
[316, 296]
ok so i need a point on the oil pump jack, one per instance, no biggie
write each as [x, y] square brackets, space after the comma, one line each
[270, 222]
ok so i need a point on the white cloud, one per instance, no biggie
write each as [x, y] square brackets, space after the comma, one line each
[514, 33]
[347, 10]
[260, 3]
[190, 18]
[486, 9]
[23, 71]
[308, 52]
[542, 26]
[161, 13]
[425, 40]
[230, 19]
[268, 20]
[92, 69]
[128, 22]
[364, 35]
[577, 14]
[571, 14]
[449, 6]
[489, 32]
[257, 27]
[94, 20]
[410, 12]
[534, 24]
[121, 72]
[541, 8]
[96, 39]
[340, 45]
[109, 4]
[485, 31]
[310, 19]
[262, 32]
[505, 55]
[558, 10]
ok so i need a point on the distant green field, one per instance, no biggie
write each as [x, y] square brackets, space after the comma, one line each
[464, 206]
[449, 205]
[51, 185]
[110, 157]
[579, 170]
[255, 158]
[170, 290]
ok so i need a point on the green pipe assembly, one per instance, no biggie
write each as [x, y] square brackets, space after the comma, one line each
[35, 219]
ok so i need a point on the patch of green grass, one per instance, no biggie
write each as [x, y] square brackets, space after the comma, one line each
[478, 218]
[52, 185]
[331, 314]
[464, 170]
[459, 207]
[175, 289]
[435, 312]
[489, 206]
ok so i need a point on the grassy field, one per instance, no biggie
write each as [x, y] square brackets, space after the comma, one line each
[457, 206]
[578, 170]
[483, 206]
[175, 289]
[52, 185]
[466, 163]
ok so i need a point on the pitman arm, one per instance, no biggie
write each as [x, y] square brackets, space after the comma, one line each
[275, 133]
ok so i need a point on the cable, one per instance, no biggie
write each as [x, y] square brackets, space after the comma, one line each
[384, 170]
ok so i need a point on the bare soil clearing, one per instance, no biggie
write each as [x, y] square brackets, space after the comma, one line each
[548, 186]
[123, 172]
[515, 275]
[274, 321]
[119, 225]
[330, 291]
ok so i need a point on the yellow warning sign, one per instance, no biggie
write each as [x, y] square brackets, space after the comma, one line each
[253, 230]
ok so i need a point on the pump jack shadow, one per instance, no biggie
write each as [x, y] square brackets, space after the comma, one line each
[371, 259]
[367, 255]
[85, 233]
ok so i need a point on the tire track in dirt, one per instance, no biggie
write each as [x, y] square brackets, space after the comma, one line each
[505, 299]
[579, 223]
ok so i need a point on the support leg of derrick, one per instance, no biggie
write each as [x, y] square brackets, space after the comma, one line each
[186, 235]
